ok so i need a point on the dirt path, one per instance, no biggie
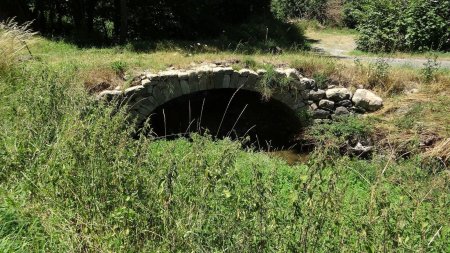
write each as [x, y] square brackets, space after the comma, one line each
[340, 44]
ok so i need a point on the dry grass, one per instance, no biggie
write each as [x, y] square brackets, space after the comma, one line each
[13, 39]
[337, 42]
[441, 151]
[99, 79]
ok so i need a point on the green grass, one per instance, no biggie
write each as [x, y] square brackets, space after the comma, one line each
[73, 180]
[424, 55]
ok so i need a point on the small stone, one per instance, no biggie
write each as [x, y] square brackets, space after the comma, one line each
[367, 100]
[326, 104]
[313, 106]
[322, 121]
[316, 95]
[341, 111]
[309, 83]
[357, 109]
[152, 77]
[338, 94]
[244, 72]
[321, 114]
[345, 103]
[261, 72]
[292, 73]
[145, 82]
[134, 90]
[109, 94]
[183, 75]
[360, 149]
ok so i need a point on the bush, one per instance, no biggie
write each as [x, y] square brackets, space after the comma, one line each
[352, 12]
[414, 25]
[308, 9]
[427, 25]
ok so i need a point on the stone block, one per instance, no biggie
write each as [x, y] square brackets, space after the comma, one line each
[185, 88]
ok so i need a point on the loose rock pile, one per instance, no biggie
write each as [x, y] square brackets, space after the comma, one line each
[326, 104]
[153, 90]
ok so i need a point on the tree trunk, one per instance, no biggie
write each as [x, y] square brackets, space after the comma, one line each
[123, 21]
[79, 19]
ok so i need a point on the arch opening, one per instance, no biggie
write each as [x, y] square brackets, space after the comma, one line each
[265, 125]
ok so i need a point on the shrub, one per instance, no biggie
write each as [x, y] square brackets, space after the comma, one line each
[308, 9]
[430, 67]
[352, 12]
[427, 25]
[414, 25]
[378, 74]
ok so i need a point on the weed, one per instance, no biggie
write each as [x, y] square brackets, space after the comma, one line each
[249, 63]
[411, 118]
[120, 67]
[378, 75]
[321, 80]
[272, 80]
[430, 68]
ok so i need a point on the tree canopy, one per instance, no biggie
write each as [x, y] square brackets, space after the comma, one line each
[133, 19]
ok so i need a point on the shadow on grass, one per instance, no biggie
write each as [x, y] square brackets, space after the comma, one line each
[258, 35]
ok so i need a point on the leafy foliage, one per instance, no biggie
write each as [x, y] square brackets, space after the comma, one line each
[352, 12]
[414, 25]
[308, 9]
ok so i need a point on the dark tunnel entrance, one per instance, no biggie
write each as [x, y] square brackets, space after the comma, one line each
[268, 124]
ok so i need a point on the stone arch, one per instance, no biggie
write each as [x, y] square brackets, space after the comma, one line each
[154, 90]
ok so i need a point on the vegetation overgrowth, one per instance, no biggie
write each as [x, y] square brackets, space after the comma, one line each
[72, 179]
[414, 25]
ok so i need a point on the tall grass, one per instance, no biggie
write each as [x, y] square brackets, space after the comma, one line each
[13, 38]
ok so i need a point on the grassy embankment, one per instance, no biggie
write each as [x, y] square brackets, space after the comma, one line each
[72, 179]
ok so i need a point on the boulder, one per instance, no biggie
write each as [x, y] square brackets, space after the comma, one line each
[367, 100]
[345, 103]
[321, 114]
[326, 104]
[309, 83]
[338, 94]
[109, 94]
[341, 111]
[360, 149]
[316, 95]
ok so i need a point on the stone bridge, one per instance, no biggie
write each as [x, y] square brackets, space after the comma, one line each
[287, 85]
